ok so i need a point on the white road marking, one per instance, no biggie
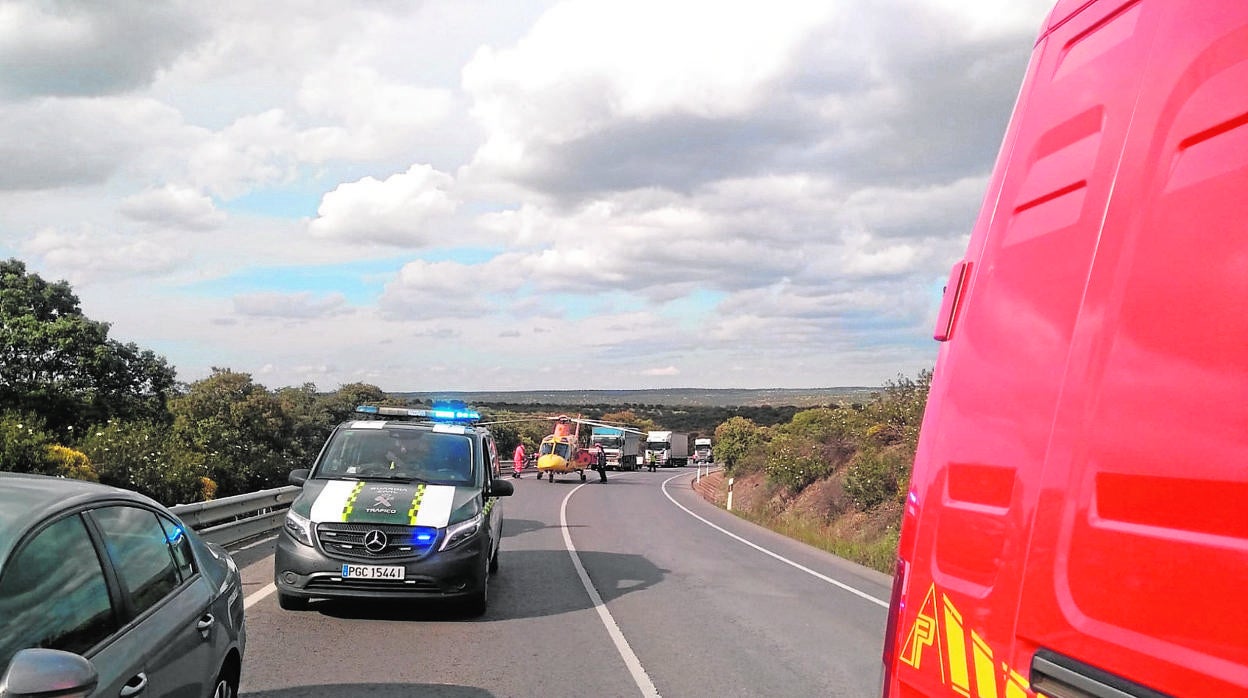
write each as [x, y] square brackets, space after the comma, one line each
[626, 652]
[256, 596]
[761, 549]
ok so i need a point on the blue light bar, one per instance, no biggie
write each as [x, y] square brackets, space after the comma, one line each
[441, 414]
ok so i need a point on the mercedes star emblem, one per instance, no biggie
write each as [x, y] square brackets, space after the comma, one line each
[375, 541]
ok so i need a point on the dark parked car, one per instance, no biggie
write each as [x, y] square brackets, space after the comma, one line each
[105, 592]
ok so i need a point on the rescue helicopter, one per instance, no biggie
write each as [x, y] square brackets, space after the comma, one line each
[561, 452]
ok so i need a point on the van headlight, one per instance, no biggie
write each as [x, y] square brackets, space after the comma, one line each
[299, 527]
[462, 532]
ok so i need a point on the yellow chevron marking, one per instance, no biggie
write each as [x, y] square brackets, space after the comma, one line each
[938, 625]
[955, 640]
[985, 675]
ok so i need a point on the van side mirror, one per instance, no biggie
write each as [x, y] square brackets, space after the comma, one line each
[501, 488]
[298, 477]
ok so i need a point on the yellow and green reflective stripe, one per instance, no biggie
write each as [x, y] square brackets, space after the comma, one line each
[411, 512]
[350, 503]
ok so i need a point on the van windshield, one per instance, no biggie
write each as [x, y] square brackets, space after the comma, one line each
[397, 454]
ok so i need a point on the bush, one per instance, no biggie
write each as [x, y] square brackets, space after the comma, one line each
[795, 461]
[875, 477]
[734, 439]
[136, 456]
[24, 444]
[66, 462]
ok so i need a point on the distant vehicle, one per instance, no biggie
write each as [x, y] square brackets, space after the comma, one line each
[1076, 523]
[702, 451]
[668, 448]
[401, 506]
[622, 445]
[104, 592]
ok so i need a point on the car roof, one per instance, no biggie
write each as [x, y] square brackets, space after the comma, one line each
[25, 499]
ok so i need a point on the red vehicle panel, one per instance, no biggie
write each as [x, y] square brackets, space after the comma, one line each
[1078, 512]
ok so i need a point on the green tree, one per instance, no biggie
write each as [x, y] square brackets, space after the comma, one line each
[734, 439]
[56, 362]
[340, 405]
[239, 430]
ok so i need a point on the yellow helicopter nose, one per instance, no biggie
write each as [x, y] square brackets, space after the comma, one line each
[551, 461]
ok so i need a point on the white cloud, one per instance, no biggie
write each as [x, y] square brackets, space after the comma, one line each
[291, 306]
[173, 206]
[665, 371]
[395, 211]
[92, 254]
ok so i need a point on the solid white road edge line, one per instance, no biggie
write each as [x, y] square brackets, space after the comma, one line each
[626, 652]
[761, 549]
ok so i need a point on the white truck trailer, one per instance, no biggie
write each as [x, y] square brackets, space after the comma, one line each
[622, 447]
[669, 448]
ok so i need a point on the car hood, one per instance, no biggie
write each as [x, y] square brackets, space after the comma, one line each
[407, 504]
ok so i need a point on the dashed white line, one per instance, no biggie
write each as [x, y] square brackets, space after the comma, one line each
[761, 549]
[626, 652]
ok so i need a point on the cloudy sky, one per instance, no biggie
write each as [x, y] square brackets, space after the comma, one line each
[537, 194]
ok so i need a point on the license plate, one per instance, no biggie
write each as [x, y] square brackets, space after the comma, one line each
[372, 572]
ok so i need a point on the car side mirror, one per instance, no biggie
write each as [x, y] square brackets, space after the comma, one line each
[501, 488]
[51, 673]
[298, 477]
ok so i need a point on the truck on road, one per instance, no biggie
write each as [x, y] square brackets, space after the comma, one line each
[622, 446]
[702, 451]
[669, 448]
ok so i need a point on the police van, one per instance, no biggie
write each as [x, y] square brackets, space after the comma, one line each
[1077, 519]
[403, 504]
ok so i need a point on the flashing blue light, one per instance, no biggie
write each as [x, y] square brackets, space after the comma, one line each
[423, 537]
[367, 409]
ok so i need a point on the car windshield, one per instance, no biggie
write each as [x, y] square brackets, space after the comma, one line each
[397, 454]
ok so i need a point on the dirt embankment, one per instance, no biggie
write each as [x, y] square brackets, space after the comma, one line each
[820, 515]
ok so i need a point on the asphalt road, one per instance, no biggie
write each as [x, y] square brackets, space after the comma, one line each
[683, 599]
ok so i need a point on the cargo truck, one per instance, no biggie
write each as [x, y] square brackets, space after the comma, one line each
[622, 446]
[702, 451]
[669, 448]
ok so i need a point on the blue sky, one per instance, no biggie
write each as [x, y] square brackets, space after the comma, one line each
[467, 195]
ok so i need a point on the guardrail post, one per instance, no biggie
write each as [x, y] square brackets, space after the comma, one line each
[730, 493]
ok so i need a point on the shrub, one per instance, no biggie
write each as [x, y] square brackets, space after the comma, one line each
[875, 477]
[66, 462]
[136, 456]
[795, 461]
[24, 444]
[734, 439]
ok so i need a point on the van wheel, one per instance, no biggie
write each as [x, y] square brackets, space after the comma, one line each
[475, 605]
[291, 603]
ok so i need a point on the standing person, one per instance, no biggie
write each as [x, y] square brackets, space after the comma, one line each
[518, 461]
[651, 462]
[601, 463]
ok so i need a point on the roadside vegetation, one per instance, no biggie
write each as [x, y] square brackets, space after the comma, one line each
[835, 477]
[76, 403]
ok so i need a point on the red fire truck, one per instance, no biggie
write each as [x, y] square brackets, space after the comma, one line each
[1077, 521]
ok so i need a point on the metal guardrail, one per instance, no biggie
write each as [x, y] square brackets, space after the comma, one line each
[231, 520]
